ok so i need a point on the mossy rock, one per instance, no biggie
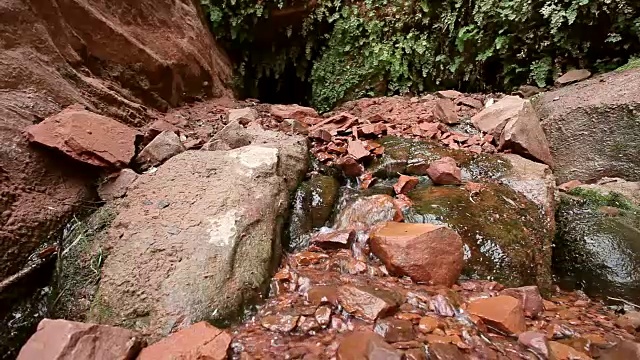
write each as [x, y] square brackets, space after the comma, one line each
[505, 235]
[413, 157]
[312, 207]
[597, 248]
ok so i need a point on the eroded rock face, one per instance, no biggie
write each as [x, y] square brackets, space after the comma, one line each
[200, 242]
[593, 127]
[62, 339]
[105, 55]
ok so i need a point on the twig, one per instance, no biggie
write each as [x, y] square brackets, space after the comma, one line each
[624, 301]
[6, 283]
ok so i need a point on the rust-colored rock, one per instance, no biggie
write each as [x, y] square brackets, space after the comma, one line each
[366, 302]
[117, 186]
[69, 340]
[530, 298]
[366, 212]
[427, 324]
[573, 76]
[334, 239]
[515, 124]
[243, 116]
[280, 323]
[470, 102]
[161, 149]
[535, 342]
[629, 321]
[445, 172]
[320, 134]
[296, 112]
[357, 149]
[350, 166]
[405, 184]
[445, 112]
[623, 350]
[559, 351]
[87, 137]
[321, 294]
[449, 94]
[395, 330]
[366, 345]
[569, 185]
[198, 341]
[427, 253]
[156, 128]
[442, 351]
[503, 312]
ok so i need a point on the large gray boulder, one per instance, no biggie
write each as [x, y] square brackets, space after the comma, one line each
[593, 127]
[200, 237]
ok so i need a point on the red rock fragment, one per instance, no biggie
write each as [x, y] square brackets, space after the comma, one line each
[334, 239]
[445, 172]
[425, 252]
[559, 351]
[87, 137]
[536, 342]
[280, 323]
[296, 112]
[117, 186]
[363, 345]
[405, 184]
[570, 185]
[69, 340]
[350, 166]
[336, 149]
[445, 112]
[427, 324]
[530, 298]
[502, 312]
[366, 302]
[198, 341]
[449, 94]
[395, 330]
[323, 315]
[357, 150]
[320, 134]
[306, 258]
[156, 128]
[445, 351]
[367, 180]
[470, 102]
[323, 294]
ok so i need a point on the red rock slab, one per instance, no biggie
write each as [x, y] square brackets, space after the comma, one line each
[425, 252]
[366, 302]
[405, 184]
[69, 340]
[504, 313]
[296, 112]
[445, 172]
[198, 341]
[445, 112]
[85, 136]
[362, 345]
[357, 149]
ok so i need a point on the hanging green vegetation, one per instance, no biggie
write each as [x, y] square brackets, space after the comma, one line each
[348, 49]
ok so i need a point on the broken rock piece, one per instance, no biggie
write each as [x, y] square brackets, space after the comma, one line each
[161, 149]
[198, 341]
[504, 313]
[445, 172]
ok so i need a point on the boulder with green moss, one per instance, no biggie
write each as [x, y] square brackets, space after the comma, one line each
[597, 245]
[506, 236]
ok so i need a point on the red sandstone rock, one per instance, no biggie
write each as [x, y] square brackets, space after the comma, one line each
[87, 137]
[569, 185]
[503, 312]
[321, 294]
[427, 324]
[280, 323]
[536, 342]
[530, 298]
[357, 150]
[350, 166]
[445, 172]
[243, 116]
[198, 341]
[320, 134]
[156, 128]
[572, 76]
[395, 330]
[69, 340]
[161, 149]
[449, 94]
[334, 239]
[443, 351]
[470, 102]
[427, 253]
[117, 186]
[366, 302]
[363, 345]
[559, 351]
[445, 112]
[405, 184]
[296, 112]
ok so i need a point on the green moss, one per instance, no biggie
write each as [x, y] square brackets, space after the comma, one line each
[79, 268]
[412, 157]
[597, 199]
[504, 233]
[633, 63]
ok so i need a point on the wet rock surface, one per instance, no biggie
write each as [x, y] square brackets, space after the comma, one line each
[605, 105]
[198, 341]
[199, 244]
[596, 246]
[61, 339]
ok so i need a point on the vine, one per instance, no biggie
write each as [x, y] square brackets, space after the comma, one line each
[349, 49]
